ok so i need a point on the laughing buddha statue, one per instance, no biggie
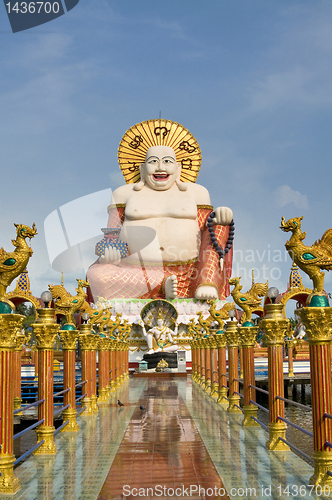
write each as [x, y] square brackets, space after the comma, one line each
[160, 241]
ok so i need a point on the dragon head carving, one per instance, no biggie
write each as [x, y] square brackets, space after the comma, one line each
[291, 224]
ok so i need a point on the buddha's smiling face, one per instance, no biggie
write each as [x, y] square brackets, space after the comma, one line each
[160, 168]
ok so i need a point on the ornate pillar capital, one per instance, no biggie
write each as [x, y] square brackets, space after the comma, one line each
[317, 321]
[275, 325]
[68, 339]
[220, 340]
[247, 335]
[231, 334]
[10, 327]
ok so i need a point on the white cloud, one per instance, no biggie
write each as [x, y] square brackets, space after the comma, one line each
[284, 195]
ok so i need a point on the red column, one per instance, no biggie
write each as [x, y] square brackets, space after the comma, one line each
[214, 366]
[86, 344]
[95, 341]
[45, 330]
[232, 338]
[275, 326]
[17, 378]
[248, 339]
[222, 369]
[207, 385]
[10, 325]
[318, 321]
[69, 339]
[202, 358]
[112, 365]
[103, 369]
[290, 344]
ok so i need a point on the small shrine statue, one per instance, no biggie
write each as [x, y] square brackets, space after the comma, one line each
[159, 338]
[164, 239]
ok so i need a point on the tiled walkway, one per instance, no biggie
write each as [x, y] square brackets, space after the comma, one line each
[183, 438]
[162, 451]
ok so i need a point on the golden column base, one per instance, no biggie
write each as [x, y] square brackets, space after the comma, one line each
[232, 401]
[214, 390]
[9, 483]
[277, 430]
[72, 426]
[87, 402]
[94, 405]
[17, 405]
[222, 398]
[207, 386]
[250, 411]
[113, 386]
[103, 396]
[46, 433]
[322, 463]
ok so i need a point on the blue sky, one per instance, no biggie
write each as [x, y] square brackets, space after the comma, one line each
[251, 80]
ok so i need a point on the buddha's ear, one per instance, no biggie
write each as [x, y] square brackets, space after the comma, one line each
[141, 183]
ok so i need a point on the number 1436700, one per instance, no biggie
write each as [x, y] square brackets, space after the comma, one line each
[301, 491]
[33, 7]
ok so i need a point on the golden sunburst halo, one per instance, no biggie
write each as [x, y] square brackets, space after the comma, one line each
[142, 136]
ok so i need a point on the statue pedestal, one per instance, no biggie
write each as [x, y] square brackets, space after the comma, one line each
[153, 359]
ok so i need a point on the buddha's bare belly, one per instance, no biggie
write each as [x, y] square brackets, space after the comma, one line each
[162, 238]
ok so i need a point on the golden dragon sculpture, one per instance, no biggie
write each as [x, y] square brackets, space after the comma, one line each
[113, 324]
[103, 319]
[311, 259]
[124, 330]
[220, 315]
[67, 304]
[94, 314]
[12, 264]
[194, 329]
[249, 302]
[205, 323]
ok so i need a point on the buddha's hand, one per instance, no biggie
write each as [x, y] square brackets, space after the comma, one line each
[111, 255]
[223, 216]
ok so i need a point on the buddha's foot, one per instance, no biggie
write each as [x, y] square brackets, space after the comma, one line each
[206, 292]
[171, 287]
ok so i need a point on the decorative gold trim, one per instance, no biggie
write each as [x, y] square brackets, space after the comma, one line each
[117, 205]
[139, 138]
[210, 207]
